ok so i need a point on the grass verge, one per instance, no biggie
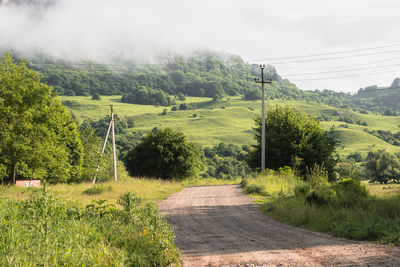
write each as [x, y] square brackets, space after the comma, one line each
[49, 231]
[345, 209]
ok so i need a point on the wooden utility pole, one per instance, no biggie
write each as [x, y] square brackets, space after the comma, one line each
[263, 82]
[110, 126]
[113, 143]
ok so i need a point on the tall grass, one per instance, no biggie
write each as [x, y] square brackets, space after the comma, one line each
[48, 231]
[151, 190]
[271, 183]
[344, 209]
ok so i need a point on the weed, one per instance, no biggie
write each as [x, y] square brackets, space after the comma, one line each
[97, 190]
[47, 231]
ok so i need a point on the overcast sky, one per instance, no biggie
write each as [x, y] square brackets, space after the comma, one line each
[252, 29]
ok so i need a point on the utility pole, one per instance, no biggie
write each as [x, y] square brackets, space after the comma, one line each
[110, 126]
[113, 143]
[263, 82]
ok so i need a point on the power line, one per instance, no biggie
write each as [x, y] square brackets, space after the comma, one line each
[329, 53]
[344, 76]
[347, 66]
[345, 70]
[330, 58]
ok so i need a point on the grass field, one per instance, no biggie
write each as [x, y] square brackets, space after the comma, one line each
[383, 190]
[231, 120]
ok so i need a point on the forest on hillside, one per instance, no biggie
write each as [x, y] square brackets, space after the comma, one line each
[203, 74]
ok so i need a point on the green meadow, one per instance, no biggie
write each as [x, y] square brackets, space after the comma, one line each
[231, 120]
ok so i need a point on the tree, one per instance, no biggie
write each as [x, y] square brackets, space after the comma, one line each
[164, 154]
[38, 138]
[96, 96]
[292, 134]
[395, 83]
[254, 94]
[381, 166]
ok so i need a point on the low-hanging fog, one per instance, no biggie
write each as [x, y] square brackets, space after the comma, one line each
[137, 29]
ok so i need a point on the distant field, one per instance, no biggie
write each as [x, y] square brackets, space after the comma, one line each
[383, 190]
[231, 120]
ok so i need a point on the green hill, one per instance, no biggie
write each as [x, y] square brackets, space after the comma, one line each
[231, 120]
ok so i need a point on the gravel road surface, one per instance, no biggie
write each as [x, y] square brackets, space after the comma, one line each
[219, 226]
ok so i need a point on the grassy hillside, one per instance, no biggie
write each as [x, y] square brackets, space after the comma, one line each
[231, 120]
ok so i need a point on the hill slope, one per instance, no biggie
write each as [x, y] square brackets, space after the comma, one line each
[231, 120]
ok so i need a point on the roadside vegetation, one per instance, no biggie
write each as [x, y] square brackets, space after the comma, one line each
[49, 231]
[344, 208]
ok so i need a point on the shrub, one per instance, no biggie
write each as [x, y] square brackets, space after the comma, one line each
[165, 154]
[96, 96]
[302, 190]
[322, 195]
[255, 189]
[97, 190]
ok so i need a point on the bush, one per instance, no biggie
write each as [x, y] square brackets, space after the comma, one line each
[96, 96]
[302, 190]
[164, 154]
[255, 189]
[322, 195]
[97, 190]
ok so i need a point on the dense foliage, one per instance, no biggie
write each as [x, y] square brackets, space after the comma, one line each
[293, 139]
[47, 231]
[38, 138]
[166, 154]
[144, 96]
[225, 161]
[382, 166]
[203, 73]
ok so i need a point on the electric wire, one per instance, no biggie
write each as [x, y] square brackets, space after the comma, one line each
[329, 53]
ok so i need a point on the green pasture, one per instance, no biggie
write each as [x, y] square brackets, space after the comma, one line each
[231, 120]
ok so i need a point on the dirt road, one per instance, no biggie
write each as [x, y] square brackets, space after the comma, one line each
[219, 226]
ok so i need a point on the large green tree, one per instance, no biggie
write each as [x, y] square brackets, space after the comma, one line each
[293, 138]
[166, 154]
[38, 138]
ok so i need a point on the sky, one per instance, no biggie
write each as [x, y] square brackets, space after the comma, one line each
[359, 39]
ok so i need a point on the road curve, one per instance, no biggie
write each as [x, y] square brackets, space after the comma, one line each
[219, 226]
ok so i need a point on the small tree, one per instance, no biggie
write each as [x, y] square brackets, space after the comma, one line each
[292, 134]
[381, 166]
[96, 96]
[164, 154]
